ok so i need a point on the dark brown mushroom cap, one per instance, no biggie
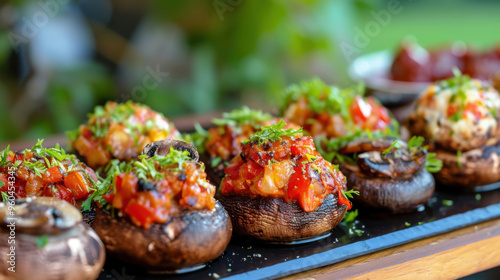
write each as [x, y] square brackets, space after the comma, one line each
[366, 145]
[73, 250]
[477, 168]
[162, 148]
[272, 219]
[187, 240]
[391, 165]
[400, 194]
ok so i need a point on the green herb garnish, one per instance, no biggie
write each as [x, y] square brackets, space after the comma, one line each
[350, 216]
[478, 196]
[4, 156]
[242, 116]
[215, 161]
[322, 97]
[273, 133]
[433, 164]
[459, 159]
[415, 143]
[447, 202]
[407, 224]
[42, 241]
[349, 194]
[394, 144]
[5, 196]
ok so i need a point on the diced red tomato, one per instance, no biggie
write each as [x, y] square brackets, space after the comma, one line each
[109, 197]
[233, 169]
[77, 184]
[298, 183]
[59, 191]
[140, 214]
[87, 133]
[302, 147]
[53, 175]
[360, 110]
[474, 109]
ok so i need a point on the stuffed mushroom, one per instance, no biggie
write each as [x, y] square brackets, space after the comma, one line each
[50, 172]
[330, 112]
[161, 212]
[45, 238]
[461, 116]
[388, 173]
[280, 189]
[119, 131]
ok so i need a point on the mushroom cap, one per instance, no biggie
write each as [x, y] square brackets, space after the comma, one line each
[162, 148]
[477, 168]
[400, 194]
[187, 240]
[274, 220]
[73, 249]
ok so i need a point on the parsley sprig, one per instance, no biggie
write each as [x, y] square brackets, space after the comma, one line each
[273, 133]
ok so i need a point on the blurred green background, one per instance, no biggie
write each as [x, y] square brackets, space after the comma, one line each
[60, 58]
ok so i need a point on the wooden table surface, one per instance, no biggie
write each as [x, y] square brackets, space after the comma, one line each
[446, 256]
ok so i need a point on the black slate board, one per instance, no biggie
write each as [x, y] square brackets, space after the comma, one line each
[246, 259]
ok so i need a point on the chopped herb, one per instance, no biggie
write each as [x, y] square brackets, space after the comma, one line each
[42, 241]
[310, 158]
[447, 202]
[395, 144]
[433, 164]
[459, 159]
[242, 116]
[415, 143]
[478, 196]
[4, 156]
[407, 224]
[322, 97]
[273, 133]
[316, 168]
[420, 223]
[349, 194]
[215, 161]
[350, 216]
[38, 167]
[5, 196]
